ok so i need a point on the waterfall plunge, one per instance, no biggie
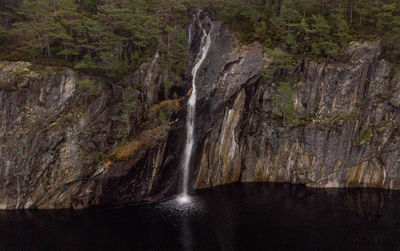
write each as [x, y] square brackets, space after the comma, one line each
[191, 113]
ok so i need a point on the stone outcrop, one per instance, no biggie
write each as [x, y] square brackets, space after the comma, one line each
[349, 135]
[43, 118]
[56, 129]
[57, 132]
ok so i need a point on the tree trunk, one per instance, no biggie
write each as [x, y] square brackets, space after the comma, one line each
[128, 126]
[350, 12]
[47, 43]
[278, 6]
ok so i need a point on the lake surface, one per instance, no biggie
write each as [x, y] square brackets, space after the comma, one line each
[233, 217]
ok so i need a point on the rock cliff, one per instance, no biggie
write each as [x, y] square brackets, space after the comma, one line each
[61, 144]
[348, 135]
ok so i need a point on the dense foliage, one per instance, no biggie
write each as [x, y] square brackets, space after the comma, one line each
[316, 27]
[95, 35]
[117, 36]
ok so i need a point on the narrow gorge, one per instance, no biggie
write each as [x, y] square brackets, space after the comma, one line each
[60, 143]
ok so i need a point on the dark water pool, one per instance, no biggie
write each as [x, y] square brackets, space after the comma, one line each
[232, 217]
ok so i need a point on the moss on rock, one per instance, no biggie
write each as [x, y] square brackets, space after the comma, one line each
[365, 137]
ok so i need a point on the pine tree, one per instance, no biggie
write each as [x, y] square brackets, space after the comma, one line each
[40, 32]
[341, 29]
[5, 36]
[321, 43]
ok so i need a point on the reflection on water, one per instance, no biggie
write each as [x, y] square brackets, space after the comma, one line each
[186, 237]
[175, 207]
[232, 217]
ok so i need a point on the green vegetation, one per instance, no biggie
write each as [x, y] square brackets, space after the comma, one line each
[283, 105]
[365, 136]
[101, 157]
[110, 37]
[280, 62]
[345, 117]
[115, 37]
[5, 36]
[90, 86]
[313, 27]
[129, 106]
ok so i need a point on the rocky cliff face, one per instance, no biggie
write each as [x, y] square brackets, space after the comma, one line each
[57, 132]
[349, 135]
[42, 117]
[57, 128]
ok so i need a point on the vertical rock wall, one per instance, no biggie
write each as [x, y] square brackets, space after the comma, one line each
[54, 133]
[348, 135]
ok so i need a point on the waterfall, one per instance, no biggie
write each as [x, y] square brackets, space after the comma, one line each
[191, 113]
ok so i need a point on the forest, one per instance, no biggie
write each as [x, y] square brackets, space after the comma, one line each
[116, 37]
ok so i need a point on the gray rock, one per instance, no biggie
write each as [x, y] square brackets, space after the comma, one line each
[53, 133]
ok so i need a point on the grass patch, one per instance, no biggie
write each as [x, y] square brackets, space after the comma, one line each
[143, 141]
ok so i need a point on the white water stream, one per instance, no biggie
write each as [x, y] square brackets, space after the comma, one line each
[191, 113]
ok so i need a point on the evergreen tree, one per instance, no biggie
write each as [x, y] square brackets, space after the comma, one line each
[115, 37]
[291, 20]
[5, 36]
[341, 29]
[321, 44]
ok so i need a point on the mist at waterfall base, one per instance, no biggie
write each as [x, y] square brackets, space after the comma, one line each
[251, 216]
